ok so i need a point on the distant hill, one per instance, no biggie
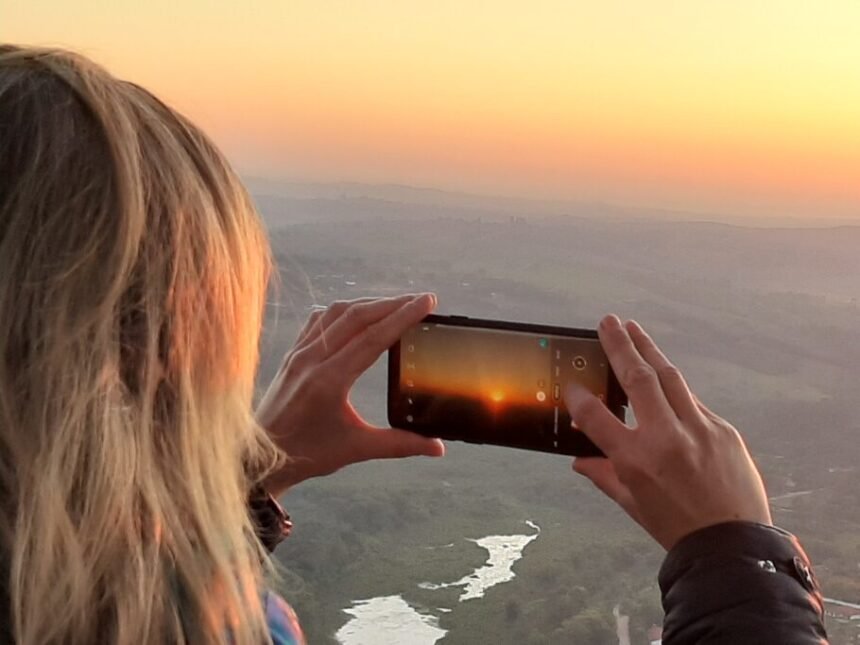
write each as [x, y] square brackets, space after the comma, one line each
[312, 200]
[763, 321]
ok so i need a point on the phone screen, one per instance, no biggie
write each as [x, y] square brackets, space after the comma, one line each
[498, 386]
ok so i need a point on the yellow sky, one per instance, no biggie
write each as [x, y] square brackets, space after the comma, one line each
[735, 105]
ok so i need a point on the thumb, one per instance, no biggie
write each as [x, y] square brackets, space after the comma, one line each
[391, 443]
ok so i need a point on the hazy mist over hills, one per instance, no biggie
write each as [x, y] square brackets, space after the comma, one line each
[763, 321]
[386, 197]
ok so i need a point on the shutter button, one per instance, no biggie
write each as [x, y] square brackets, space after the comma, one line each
[804, 573]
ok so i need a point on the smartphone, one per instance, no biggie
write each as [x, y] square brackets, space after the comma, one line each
[497, 382]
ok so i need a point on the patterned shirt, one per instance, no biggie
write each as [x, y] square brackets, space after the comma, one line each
[281, 619]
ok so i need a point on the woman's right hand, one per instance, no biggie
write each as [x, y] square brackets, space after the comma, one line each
[307, 409]
[682, 468]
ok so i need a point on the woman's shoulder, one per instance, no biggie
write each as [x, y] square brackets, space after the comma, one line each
[282, 621]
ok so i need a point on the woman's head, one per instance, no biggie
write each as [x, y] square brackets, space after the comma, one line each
[133, 272]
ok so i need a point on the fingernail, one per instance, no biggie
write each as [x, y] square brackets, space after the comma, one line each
[610, 322]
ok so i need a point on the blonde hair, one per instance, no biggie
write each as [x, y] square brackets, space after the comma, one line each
[133, 272]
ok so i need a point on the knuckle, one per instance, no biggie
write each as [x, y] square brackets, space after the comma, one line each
[337, 307]
[670, 373]
[314, 319]
[352, 309]
[638, 376]
[356, 313]
[727, 433]
[299, 360]
[719, 427]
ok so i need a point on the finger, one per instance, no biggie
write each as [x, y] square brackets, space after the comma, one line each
[365, 348]
[391, 443]
[594, 419]
[602, 474]
[345, 323]
[636, 376]
[674, 385]
[310, 326]
[323, 317]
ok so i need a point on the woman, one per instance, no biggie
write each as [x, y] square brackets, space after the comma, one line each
[133, 272]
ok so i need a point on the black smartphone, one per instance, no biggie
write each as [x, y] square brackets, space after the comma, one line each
[497, 382]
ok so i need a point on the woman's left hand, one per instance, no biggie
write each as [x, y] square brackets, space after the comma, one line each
[306, 409]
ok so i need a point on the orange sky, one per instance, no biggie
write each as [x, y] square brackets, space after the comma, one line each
[732, 106]
[496, 366]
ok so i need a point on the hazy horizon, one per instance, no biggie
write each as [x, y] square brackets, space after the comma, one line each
[517, 205]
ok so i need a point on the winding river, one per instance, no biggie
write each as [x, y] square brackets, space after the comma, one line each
[390, 620]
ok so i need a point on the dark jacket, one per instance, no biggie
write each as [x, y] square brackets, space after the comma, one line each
[740, 583]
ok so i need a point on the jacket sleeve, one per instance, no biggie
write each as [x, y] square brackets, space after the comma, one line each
[741, 583]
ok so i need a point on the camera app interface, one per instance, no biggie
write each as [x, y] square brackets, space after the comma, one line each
[494, 386]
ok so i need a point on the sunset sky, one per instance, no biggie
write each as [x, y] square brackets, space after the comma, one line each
[729, 106]
[498, 367]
